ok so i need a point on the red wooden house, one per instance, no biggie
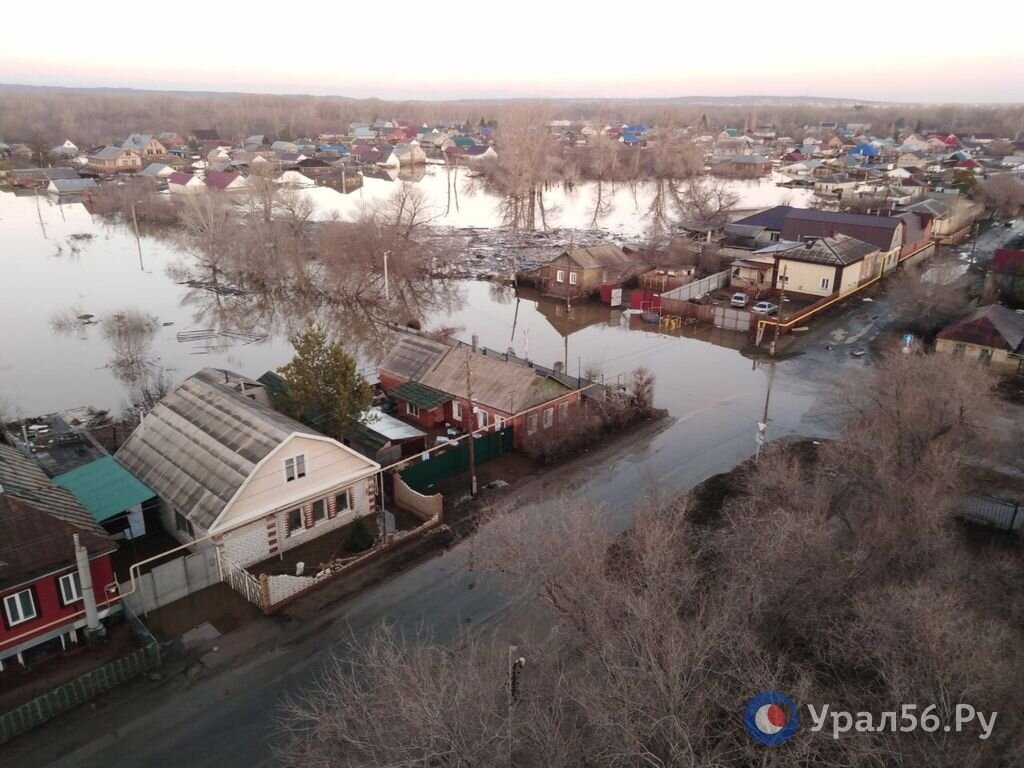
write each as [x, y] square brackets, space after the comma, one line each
[41, 603]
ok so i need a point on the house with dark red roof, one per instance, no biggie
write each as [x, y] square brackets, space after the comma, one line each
[1006, 276]
[46, 587]
[993, 335]
[225, 181]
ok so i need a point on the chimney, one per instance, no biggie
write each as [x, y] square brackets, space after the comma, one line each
[94, 631]
[476, 342]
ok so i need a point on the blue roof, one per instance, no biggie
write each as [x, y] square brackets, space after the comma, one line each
[105, 488]
[866, 150]
[341, 150]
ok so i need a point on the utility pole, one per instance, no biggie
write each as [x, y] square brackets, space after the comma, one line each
[778, 312]
[762, 426]
[387, 288]
[515, 663]
[138, 241]
[472, 425]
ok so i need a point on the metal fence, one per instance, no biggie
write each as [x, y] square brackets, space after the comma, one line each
[173, 580]
[78, 691]
[455, 460]
[988, 510]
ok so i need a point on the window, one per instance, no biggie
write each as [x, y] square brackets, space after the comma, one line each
[563, 412]
[294, 520]
[319, 511]
[773, 237]
[572, 278]
[959, 350]
[184, 525]
[70, 588]
[295, 467]
[481, 419]
[783, 278]
[412, 410]
[20, 607]
[985, 355]
[457, 411]
[342, 502]
[499, 422]
[531, 423]
[560, 276]
[824, 283]
[549, 417]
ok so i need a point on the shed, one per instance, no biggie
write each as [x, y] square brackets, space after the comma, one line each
[110, 493]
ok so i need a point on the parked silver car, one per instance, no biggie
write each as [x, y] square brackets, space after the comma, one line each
[765, 308]
[739, 300]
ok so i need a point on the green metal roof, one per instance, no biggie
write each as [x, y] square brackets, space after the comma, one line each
[419, 395]
[104, 487]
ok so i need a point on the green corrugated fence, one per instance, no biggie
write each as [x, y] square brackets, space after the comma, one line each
[77, 691]
[454, 461]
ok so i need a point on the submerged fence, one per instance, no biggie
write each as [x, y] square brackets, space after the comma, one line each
[998, 513]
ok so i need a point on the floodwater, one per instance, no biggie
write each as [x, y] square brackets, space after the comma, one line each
[472, 206]
[60, 264]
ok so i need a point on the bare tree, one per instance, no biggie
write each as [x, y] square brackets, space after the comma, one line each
[925, 301]
[1004, 194]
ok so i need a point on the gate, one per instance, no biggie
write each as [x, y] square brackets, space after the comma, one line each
[999, 513]
[455, 460]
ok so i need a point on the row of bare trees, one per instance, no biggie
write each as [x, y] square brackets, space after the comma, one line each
[93, 117]
[835, 573]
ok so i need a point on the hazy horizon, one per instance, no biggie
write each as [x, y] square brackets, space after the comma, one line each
[542, 51]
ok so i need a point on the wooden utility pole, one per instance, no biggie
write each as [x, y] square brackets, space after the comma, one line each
[138, 240]
[472, 425]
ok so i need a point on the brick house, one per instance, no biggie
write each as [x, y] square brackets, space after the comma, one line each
[41, 602]
[993, 335]
[233, 473]
[430, 376]
[582, 271]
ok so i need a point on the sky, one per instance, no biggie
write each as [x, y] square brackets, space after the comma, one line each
[908, 52]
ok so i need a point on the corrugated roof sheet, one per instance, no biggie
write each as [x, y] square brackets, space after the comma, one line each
[600, 256]
[104, 488]
[412, 356]
[992, 326]
[21, 478]
[503, 386]
[419, 395]
[200, 443]
[840, 250]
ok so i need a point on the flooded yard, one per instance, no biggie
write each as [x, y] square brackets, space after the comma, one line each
[80, 298]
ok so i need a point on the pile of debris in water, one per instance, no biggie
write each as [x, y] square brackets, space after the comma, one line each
[499, 253]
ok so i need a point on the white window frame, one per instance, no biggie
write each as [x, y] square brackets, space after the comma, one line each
[412, 410]
[70, 587]
[499, 422]
[288, 521]
[531, 424]
[572, 278]
[338, 508]
[14, 600]
[549, 418]
[295, 468]
[482, 418]
[312, 513]
[824, 283]
[457, 410]
[563, 411]
[560, 276]
[183, 525]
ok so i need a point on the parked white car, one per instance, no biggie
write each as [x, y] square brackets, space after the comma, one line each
[739, 300]
[765, 308]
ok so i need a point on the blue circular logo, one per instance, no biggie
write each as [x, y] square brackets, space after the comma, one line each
[771, 718]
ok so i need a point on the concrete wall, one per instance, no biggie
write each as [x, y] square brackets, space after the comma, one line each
[698, 288]
[1001, 360]
[423, 506]
[173, 580]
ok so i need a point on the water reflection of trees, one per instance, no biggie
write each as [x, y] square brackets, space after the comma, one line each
[246, 275]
